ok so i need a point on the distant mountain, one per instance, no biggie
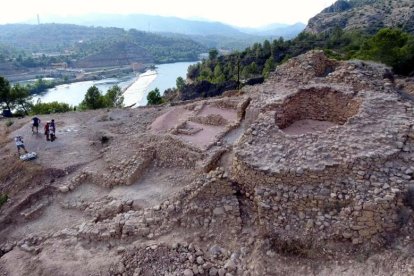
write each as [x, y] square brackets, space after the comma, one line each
[149, 23]
[365, 15]
[91, 46]
[211, 34]
[276, 30]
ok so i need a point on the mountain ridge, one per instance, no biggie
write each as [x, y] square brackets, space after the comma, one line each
[364, 15]
[34, 46]
[176, 25]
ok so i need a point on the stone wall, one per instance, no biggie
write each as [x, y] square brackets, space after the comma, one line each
[172, 152]
[210, 206]
[201, 209]
[211, 119]
[353, 201]
[323, 104]
[346, 183]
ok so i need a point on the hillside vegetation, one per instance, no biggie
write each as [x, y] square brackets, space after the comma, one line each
[392, 47]
[80, 45]
[210, 34]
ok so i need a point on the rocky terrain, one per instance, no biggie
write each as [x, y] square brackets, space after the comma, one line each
[366, 15]
[309, 173]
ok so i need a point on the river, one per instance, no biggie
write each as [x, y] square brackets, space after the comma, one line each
[163, 77]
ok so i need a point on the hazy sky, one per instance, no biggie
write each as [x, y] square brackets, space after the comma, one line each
[235, 12]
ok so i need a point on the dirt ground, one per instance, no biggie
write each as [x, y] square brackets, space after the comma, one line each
[36, 207]
[307, 126]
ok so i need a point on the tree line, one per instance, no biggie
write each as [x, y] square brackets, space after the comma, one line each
[17, 99]
[392, 47]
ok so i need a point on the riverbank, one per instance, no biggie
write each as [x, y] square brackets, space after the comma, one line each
[133, 93]
[135, 87]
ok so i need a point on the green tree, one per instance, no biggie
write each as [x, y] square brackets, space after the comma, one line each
[93, 99]
[180, 83]
[406, 65]
[253, 69]
[267, 48]
[385, 46]
[3, 199]
[213, 54]
[154, 97]
[113, 97]
[218, 74]
[5, 93]
[193, 71]
[205, 74]
[21, 97]
[268, 67]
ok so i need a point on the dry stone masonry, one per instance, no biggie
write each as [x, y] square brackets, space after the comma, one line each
[347, 182]
[318, 160]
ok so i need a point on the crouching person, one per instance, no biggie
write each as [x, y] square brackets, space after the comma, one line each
[19, 144]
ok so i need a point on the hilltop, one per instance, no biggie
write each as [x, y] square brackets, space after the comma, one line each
[310, 172]
[365, 15]
[26, 47]
[209, 33]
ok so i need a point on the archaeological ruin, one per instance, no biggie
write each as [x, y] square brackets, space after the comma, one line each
[318, 161]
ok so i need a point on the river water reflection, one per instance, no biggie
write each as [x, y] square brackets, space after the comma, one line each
[137, 90]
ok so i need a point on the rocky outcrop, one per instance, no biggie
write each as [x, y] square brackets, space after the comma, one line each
[365, 15]
[338, 6]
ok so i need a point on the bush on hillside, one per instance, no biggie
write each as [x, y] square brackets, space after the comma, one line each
[9, 123]
[392, 47]
[3, 199]
[48, 108]
[95, 100]
[154, 97]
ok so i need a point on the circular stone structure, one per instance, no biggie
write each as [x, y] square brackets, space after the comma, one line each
[345, 182]
[319, 104]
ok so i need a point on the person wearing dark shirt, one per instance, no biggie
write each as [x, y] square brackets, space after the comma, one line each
[35, 124]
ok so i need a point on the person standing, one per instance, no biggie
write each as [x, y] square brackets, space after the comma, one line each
[19, 144]
[47, 125]
[52, 130]
[35, 124]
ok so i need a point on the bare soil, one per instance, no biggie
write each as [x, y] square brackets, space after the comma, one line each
[307, 126]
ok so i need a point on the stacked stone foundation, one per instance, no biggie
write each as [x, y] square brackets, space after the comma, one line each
[359, 202]
[323, 104]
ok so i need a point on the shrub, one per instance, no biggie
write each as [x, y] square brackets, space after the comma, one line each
[48, 108]
[3, 199]
[9, 123]
[95, 100]
[154, 97]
